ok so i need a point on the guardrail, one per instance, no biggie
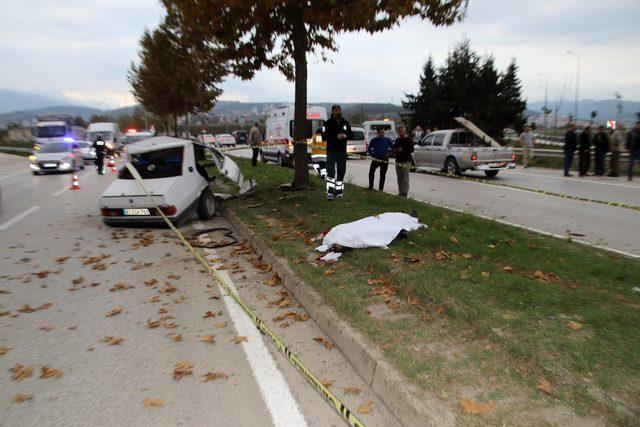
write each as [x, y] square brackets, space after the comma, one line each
[547, 152]
[14, 150]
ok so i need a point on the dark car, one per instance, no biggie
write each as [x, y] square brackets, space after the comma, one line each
[240, 136]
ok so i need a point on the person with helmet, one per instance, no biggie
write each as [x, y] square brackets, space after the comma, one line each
[99, 146]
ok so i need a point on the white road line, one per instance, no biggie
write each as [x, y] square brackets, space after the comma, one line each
[582, 180]
[274, 389]
[18, 217]
[59, 192]
[13, 174]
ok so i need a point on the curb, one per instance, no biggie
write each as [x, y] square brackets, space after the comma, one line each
[410, 405]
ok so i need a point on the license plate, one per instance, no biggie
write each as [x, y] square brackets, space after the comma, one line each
[496, 164]
[136, 212]
[50, 165]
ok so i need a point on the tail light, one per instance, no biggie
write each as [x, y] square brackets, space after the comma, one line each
[474, 157]
[513, 157]
[169, 210]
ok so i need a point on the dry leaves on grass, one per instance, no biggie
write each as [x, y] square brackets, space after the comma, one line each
[48, 372]
[442, 255]
[378, 281]
[20, 372]
[545, 385]
[508, 269]
[485, 274]
[576, 326]
[366, 407]
[21, 397]
[325, 342]
[353, 391]
[114, 312]
[273, 281]
[239, 339]
[209, 339]
[471, 407]
[4, 350]
[212, 376]
[453, 239]
[413, 301]
[112, 340]
[465, 275]
[492, 246]
[153, 403]
[182, 369]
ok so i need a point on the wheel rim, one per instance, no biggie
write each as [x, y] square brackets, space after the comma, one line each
[210, 204]
[451, 168]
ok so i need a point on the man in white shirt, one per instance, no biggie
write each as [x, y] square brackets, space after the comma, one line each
[527, 142]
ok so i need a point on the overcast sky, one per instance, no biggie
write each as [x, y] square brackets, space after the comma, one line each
[82, 50]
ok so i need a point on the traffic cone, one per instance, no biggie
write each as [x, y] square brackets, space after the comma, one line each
[74, 183]
[112, 164]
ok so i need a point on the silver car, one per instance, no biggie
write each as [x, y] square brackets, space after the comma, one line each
[56, 157]
[87, 151]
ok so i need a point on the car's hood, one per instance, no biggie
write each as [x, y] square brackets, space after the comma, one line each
[129, 187]
[43, 157]
[476, 131]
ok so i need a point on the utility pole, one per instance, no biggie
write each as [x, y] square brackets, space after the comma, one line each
[546, 96]
[575, 108]
[619, 107]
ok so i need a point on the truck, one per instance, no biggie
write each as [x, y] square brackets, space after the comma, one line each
[109, 131]
[370, 128]
[468, 148]
[278, 141]
[56, 128]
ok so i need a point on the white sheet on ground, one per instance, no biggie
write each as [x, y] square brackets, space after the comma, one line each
[331, 256]
[373, 231]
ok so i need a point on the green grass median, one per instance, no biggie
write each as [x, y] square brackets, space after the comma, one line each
[493, 319]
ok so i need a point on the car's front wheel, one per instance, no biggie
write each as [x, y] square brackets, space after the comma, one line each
[206, 204]
[451, 166]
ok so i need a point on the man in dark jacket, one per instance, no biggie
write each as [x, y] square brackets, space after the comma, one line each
[585, 151]
[601, 142]
[633, 145]
[403, 147]
[379, 149]
[336, 132]
[99, 146]
[570, 145]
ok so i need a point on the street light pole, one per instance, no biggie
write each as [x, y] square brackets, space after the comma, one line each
[575, 108]
[546, 93]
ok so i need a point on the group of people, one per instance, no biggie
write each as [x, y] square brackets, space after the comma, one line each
[603, 142]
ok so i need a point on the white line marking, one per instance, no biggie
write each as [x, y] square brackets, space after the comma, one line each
[59, 192]
[275, 391]
[18, 217]
[582, 180]
[13, 174]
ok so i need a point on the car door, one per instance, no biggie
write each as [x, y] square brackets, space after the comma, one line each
[421, 150]
[437, 150]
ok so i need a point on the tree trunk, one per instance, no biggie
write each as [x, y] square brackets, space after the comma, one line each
[175, 125]
[301, 174]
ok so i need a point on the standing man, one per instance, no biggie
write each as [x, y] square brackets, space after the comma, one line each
[403, 147]
[601, 142]
[99, 147]
[584, 151]
[379, 149]
[418, 133]
[336, 132]
[633, 145]
[527, 142]
[255, 138]
[615, 141]
[570, 145]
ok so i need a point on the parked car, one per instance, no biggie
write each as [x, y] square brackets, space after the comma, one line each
[224, 140]
[56, 157]
[358, 144]
[87, 151]
[457, 150]
[178, 174]
[240, 136]
[134, 136]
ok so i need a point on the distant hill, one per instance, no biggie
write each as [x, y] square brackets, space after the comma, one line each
[13, 100]
[606, 108]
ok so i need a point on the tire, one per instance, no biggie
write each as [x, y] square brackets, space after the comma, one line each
[206, 205]
[35, 173]
[82, 166]
[451, 166]
[491, 174]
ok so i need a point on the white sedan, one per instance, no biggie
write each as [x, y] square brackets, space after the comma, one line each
[224, 139]
[178, 175]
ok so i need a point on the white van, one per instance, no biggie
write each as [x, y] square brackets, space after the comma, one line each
[109, 132]
[278, 143]
[371, 128]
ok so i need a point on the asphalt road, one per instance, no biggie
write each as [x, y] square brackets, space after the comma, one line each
[592, 223]
[62, 272]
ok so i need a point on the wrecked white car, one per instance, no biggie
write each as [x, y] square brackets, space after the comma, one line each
[178, 173]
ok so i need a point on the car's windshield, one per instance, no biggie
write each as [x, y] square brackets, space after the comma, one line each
[358, 135]
[385, 126]
[135, 138]
[467, 139]
[55, 147]
[156, 164]
[50, 131]
[106, 135]
[311, 126]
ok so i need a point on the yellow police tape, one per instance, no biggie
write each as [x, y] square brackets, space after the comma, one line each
[311, 377]
[500, 184]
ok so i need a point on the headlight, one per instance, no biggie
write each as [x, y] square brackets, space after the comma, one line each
[65, 164]
[92, 152]
[32, 158]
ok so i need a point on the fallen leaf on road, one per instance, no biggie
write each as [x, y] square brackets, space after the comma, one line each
[209, 314]
[50, 372]
[45, 306]
[220, 324]
[325, 342]
[576, 326]
[284, 325]
[212, 376]
[27, 309]
[155, 299]
[365, 408]
[78, 280]
[471, 407]
[162, 310]
[173, 276]
[182, 369]
[351, 390]
[114, 312]
[239, 339]
[62, 260]
[327, 383]
[453, 239]
[151, 403]
[545, 386]
[210, 339]
[20, 372]
[4, 313]
[20, 397]
[4, 350]
[3, 292]
[150, 282]
[153, 324]
[177, 338]
[112, 340]
[273, 281]
[46, 328]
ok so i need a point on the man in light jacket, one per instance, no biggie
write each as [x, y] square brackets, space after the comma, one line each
[255, 138]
